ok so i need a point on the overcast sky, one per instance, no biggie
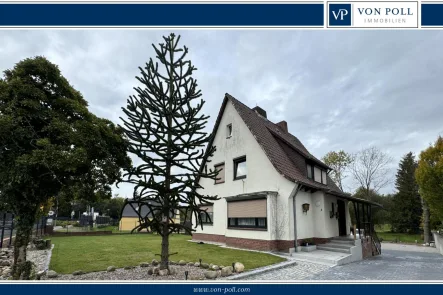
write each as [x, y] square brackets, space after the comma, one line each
[336, 89]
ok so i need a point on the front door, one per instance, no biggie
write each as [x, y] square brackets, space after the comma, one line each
[341, 218]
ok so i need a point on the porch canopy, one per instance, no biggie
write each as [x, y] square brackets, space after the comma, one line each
[363, 213]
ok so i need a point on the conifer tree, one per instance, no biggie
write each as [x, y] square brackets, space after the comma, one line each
[407, 207]
[165, 128]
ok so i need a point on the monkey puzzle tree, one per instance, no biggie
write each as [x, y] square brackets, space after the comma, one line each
[166, 131]
[50, 145]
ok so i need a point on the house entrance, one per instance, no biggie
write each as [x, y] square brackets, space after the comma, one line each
[341, 218]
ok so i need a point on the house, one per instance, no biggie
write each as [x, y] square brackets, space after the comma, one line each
[130, 216]
[274, 194]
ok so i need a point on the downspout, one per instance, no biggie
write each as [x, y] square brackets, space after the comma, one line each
[293, 195]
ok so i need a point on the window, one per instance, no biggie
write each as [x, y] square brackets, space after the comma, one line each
[248, 222]
[240, 170]
[309, 167]
[323, 177]
[247, 214]
[229, 131]
[317, 174]
[221, 173]
[208, 217]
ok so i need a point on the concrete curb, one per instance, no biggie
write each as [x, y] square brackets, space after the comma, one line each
[261, 270]
[48, 258]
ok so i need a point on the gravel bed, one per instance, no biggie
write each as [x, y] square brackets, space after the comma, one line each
[137, 273]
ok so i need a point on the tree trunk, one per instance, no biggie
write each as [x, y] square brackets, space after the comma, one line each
[426, 222]
[165, 248]
[22, 269]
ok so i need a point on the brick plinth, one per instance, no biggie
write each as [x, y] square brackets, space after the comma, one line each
[253, 244]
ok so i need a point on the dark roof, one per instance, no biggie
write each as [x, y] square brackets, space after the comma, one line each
[128, 210]
[285, 151]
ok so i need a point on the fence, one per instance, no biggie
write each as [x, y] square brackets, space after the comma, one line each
[7, 228]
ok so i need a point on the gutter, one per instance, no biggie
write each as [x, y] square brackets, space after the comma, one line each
[293, 195]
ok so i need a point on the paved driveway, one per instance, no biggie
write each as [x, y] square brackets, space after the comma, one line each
[398, 264]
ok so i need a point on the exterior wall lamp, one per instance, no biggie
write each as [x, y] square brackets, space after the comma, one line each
[305, 207]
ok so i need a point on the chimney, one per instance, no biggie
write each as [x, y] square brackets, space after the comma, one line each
[260, 111]
[283, 125]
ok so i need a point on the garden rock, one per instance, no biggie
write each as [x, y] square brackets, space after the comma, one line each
[156, 270]
[163, 272]
[211, 265]
[197, 264]
[150, 271]
[215, 267]
[51, 274]
[190, 263]
[78, 273]
[222, 266]
[239, 267]
[172, 262]
[172, 271]
[129, 267]
[210, 274]
[154, 262]
[205, 265]
[182, 262]
[110, 268]
[144, 264]
[226, 271]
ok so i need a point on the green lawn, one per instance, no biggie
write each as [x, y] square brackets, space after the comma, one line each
[94, 253]
[401, 238]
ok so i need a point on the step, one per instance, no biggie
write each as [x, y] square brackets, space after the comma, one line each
[342, 241]
[338, 245]
[325, 248]
[320, 256]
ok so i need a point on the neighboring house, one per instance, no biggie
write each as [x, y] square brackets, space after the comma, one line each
[130, 218]
[274, 194]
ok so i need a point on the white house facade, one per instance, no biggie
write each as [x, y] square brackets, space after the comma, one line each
[274, 195]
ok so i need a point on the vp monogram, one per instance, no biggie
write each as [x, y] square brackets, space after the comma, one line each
[341, 13]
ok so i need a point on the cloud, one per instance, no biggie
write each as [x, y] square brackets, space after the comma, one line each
[336, 89]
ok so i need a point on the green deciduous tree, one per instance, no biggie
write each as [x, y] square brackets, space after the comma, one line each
[339, 162]
[407, 209]
[429, 175]
[166, 131]
[50, 144]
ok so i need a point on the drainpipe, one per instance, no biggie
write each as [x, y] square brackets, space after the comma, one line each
[293, 195]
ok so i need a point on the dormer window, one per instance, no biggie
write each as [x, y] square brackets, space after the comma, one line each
[309, 167]
[229, 131]
[316, 173]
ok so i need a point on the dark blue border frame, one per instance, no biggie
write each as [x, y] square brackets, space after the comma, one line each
[226, 288]
[162, 15]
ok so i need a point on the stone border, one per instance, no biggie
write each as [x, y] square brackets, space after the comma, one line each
[261, 270]
[48, 258]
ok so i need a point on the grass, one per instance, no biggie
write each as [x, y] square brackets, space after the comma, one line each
[95, 253]
[384, 232]
[401, 238]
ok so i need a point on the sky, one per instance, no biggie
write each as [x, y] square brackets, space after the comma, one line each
[337, 89]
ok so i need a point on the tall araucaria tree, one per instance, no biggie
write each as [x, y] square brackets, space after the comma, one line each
[165, 128]
[50, 145]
